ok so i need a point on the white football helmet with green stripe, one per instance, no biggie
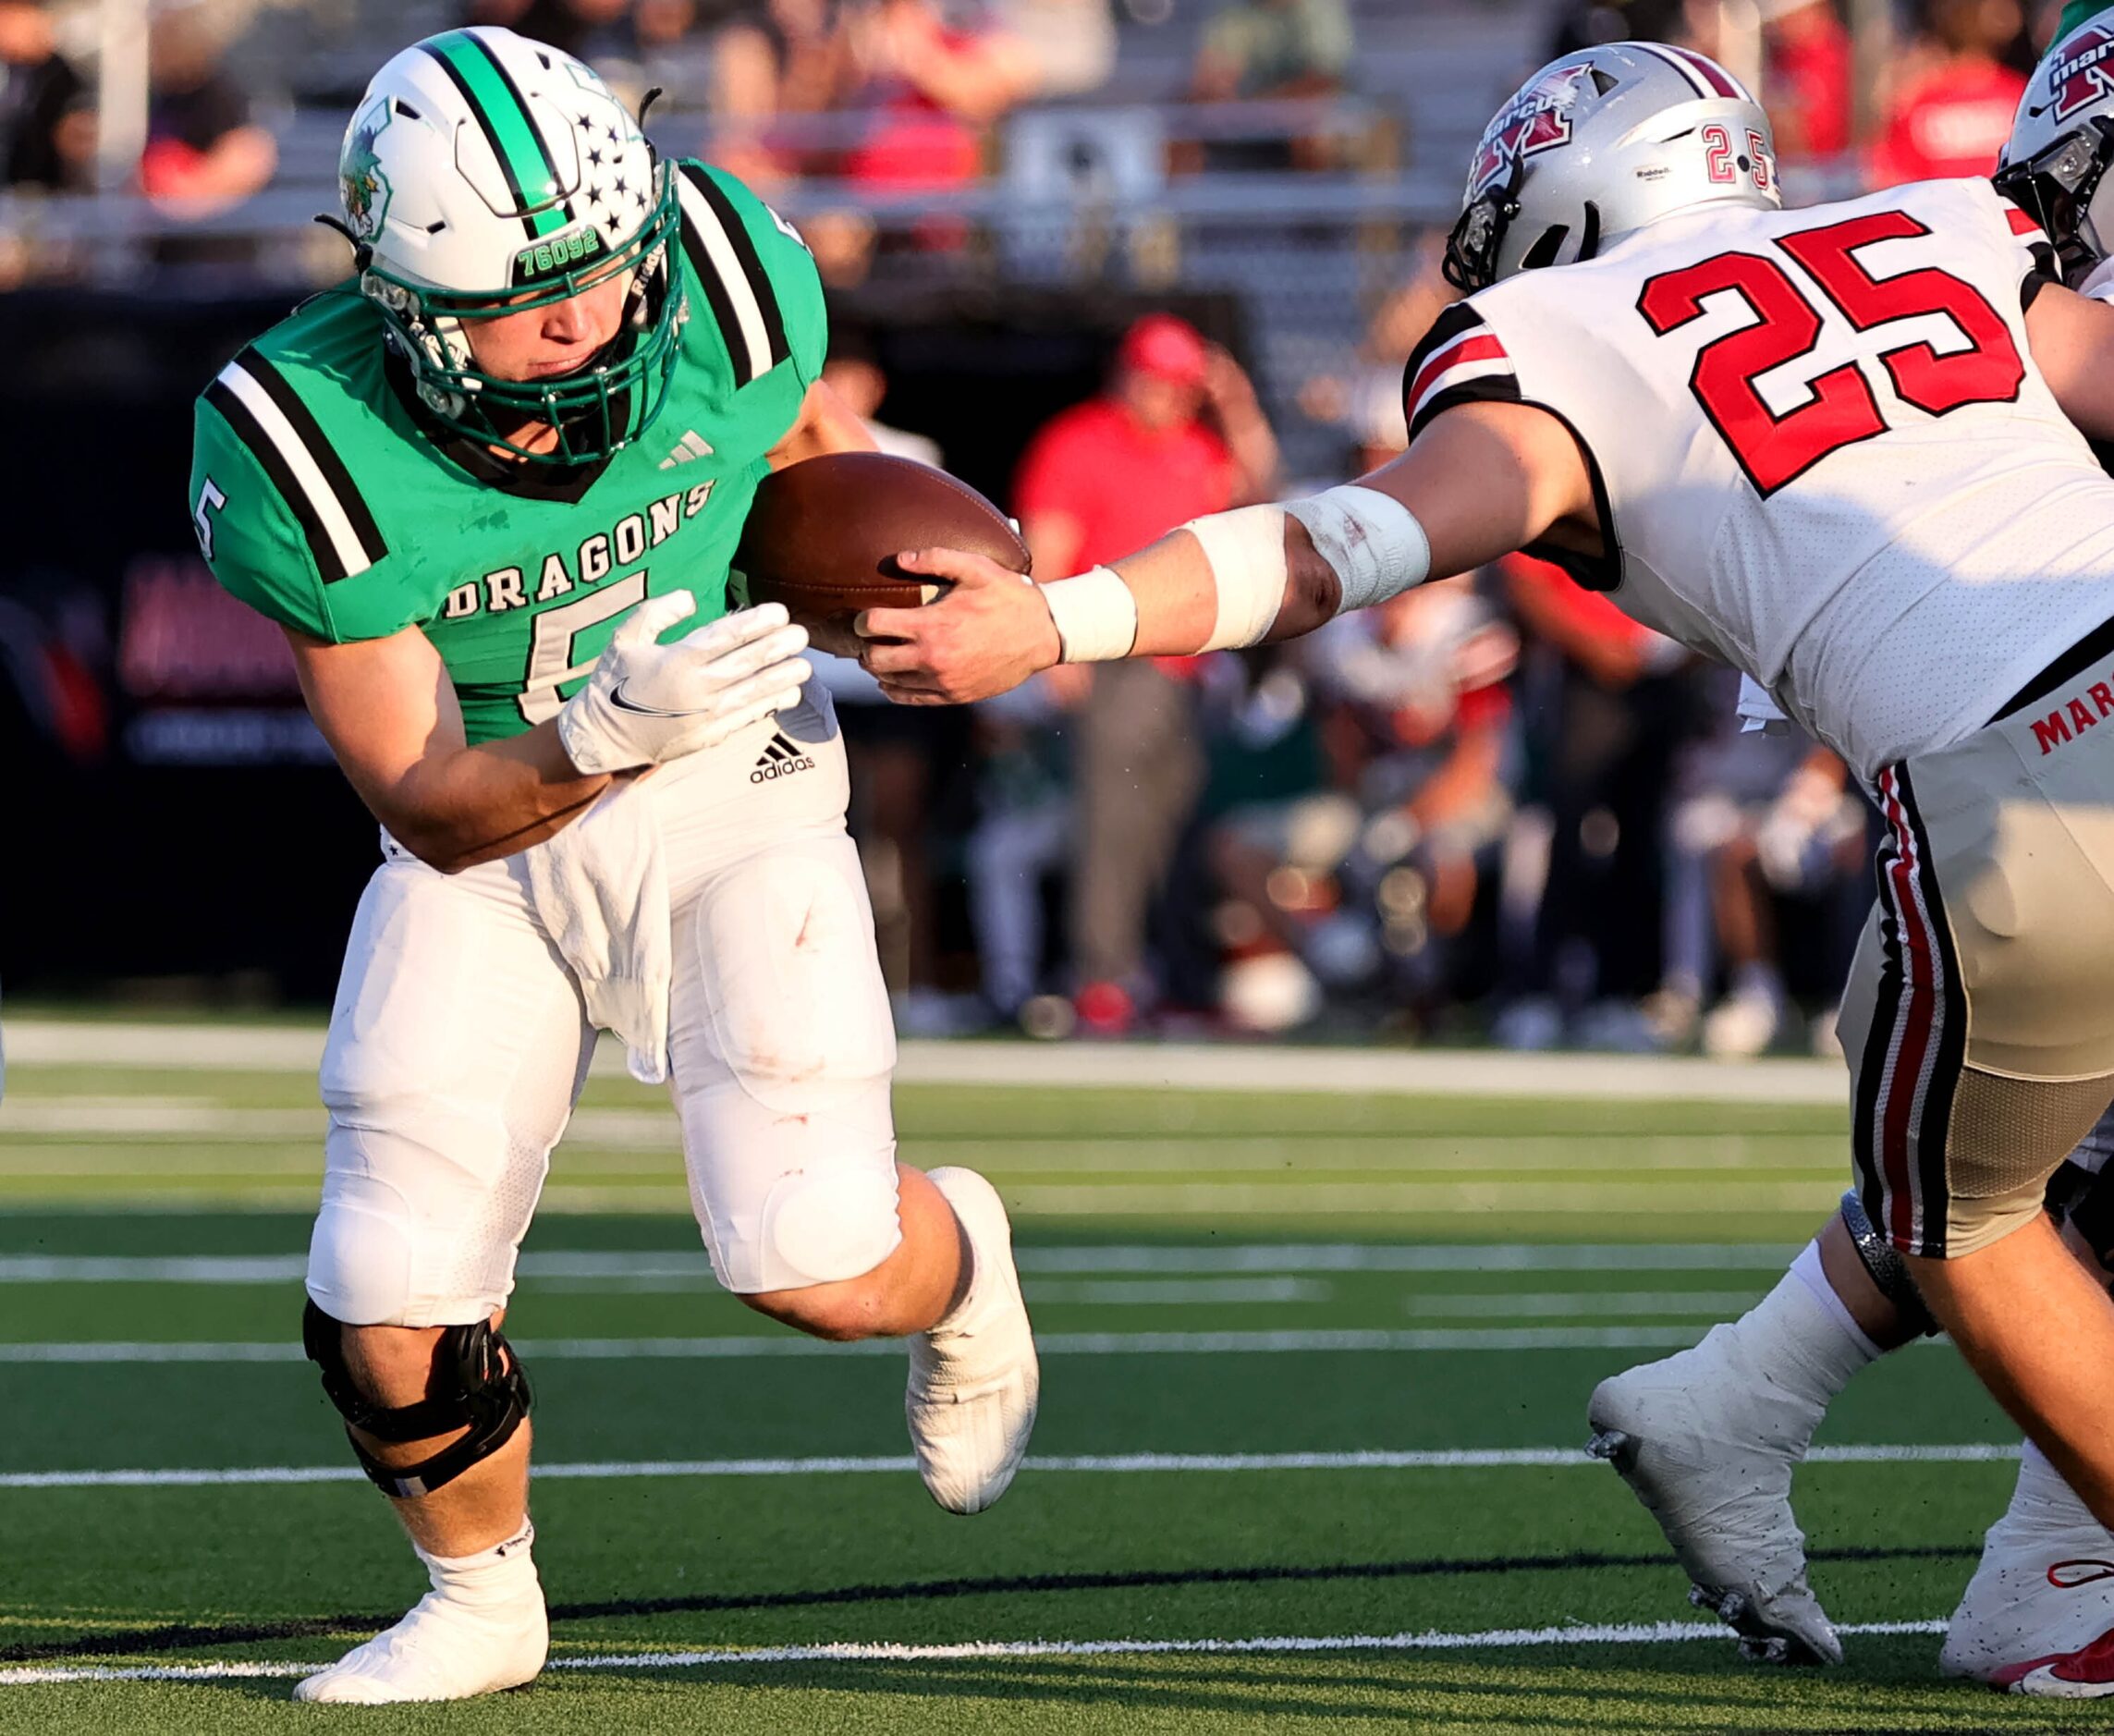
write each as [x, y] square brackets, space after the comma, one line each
[482, 174]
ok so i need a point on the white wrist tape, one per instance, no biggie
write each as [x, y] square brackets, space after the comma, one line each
[1246, 549]
[1374, 543]
[1096, 617]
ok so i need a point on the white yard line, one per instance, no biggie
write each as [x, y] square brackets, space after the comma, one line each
[1081, 1262]
[1189, 1066]
[1296, 1342]
[1581, 1304]
[1091, 1464]
[870, 1651]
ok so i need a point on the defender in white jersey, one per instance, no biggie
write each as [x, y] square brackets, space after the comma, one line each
[1708, 1437]
[1830, 446]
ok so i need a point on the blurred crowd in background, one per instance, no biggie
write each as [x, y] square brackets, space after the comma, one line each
[1495, 808]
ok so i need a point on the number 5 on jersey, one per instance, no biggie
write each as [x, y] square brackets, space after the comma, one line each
[210, 501]
[1841, 407]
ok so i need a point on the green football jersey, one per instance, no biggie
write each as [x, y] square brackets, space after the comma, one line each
[321, 497]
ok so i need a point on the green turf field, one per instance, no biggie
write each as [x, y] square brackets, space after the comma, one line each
[1314, 1382]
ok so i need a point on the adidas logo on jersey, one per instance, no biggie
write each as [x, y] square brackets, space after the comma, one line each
[692, 446]
[781, 758]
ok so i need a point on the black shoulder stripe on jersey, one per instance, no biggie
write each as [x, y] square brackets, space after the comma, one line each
[344, 504]
[351, 501]
[721, 303]
[755, 279]
[247, 430]
[1454, 322]
[1491, 388]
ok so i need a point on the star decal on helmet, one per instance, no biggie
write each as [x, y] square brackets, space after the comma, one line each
[2079, 76]
[1538, 119]
[362, 185]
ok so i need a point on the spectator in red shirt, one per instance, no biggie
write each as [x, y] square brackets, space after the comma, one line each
[1950, 99]
[1178, 433]
[1807, 53]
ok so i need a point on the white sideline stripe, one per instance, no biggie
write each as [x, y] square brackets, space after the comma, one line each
[1082, 1262]
[1191, 1066]
[1352, 1340]
[1092, 1465]
[883, 1652]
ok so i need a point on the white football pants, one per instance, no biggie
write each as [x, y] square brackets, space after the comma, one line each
[459, 1046]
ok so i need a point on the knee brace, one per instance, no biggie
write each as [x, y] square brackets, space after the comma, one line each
[1886, 1268]
[477, 1384]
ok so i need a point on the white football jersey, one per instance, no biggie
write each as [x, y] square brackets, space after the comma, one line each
[1820, 447]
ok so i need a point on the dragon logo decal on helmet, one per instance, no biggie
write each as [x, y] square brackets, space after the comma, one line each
[485, 174]
[1600, 143]
[362, 187]
[2054, 165]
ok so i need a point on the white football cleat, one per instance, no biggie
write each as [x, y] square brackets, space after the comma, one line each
[2038, 1616]
[1709, 1444]
[974, 1380]
[451, 1646]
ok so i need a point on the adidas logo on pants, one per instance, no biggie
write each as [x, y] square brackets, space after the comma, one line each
[781, 758]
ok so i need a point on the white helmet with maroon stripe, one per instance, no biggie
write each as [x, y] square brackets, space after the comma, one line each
[2054, 165]
[1602, 143]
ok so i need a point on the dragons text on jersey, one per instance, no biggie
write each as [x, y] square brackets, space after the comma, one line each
[322, 496]
[555, 573]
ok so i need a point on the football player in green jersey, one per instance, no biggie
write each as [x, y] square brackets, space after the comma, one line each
[489, 487]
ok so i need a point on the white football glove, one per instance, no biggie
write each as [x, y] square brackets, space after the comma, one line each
[645, 702]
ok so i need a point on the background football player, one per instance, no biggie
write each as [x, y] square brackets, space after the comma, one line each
[1829, 448]
[489, 487]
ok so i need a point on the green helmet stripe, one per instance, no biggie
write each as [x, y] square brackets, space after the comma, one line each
[2077, 14]
[507, 125]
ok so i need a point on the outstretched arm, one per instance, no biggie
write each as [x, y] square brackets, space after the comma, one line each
[1482, 480]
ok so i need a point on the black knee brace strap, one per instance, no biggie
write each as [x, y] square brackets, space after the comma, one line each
[1885, 1266]
[477, 1384]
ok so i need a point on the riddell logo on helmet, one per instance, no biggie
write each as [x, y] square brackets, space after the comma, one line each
[548, 257]
[1538, 119]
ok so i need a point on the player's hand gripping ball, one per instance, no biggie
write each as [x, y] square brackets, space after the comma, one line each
[822, 535]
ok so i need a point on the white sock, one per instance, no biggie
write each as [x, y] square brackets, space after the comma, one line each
[1809, 1270]
[505, 1573]
[1798, 1341]
[2041, 1493]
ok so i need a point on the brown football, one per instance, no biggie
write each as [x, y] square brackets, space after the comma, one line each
[822, 535]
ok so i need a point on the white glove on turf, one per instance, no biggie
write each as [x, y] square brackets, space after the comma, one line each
[645, 702]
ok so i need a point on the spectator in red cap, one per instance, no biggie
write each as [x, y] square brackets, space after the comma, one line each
[1177, 433]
